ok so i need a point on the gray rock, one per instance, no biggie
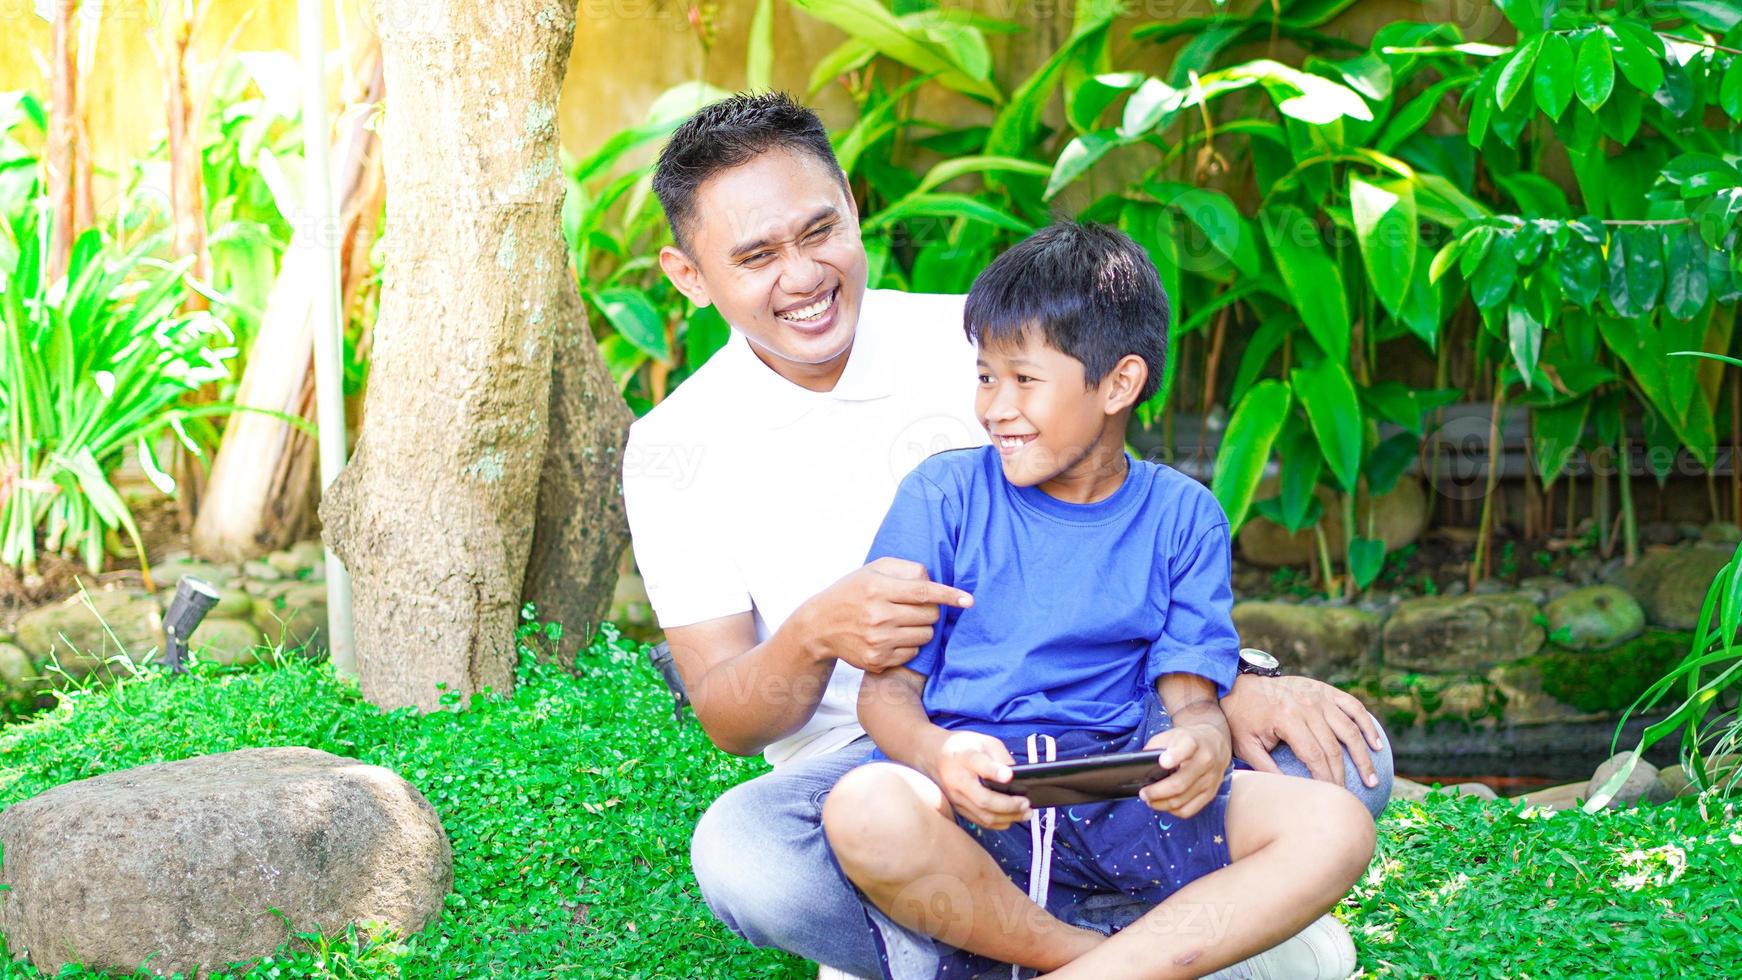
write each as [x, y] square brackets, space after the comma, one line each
[1399, 517]
[1490, 586]
[261, 571]
[1612, 570]
[301, 620]
[1595, 617]
[1659, 532]
[1689, 532]
[1641, 785]
[194, 864]
[286, 563]
[1545, 588]
[1671, 585]
[1563, 797]
[18, 680]
[1455, 587]
[308, 554]
[1583, 569]
[170, 570]
[1721, 533]
[1460, 633]
[226, 641]
[81, 638]
[1316, 641]
[1526, 702]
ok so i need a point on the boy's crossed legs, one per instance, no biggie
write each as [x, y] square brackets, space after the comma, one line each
[1296, 848]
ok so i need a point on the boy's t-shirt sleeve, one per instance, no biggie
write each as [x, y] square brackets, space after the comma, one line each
[921, 527]
[1198, 635]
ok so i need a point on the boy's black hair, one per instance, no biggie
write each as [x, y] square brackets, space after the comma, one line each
[1088, 290]
[727, 134]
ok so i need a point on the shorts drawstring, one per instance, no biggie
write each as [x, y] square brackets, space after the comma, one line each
[1041, 825]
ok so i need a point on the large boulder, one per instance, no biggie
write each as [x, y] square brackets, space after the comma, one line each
[1641, 785]
[1457, 634]
[1399, 517]
[1594, 617]
[81, 638]
[1317, 641]
[1672, 585]
[191, 865]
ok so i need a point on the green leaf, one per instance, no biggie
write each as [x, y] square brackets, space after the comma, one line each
[946, 206]
[1516, 74]
[1154, 101]
[632, 314]
[1389, 461]
[1579, 265]
[1526, 15]
[1246, 447]
[1688, 290]
[759, 55]
[1327, 393]
[1635, 270]
[850, 56]
[1019, 121]
[1423, 308]
[706, 333]
[1077, 157]
[1594, 74]
[949, 170]
[1524, 339]
[1555, 431]
[1301, 466]
[1444, 259]
[1494, 278]
[1366, 558]
[1313, 280]
[1554, 75]
[1385, 229]
[912, 45]
[1637, 51]
[1214, 213]
[1730, 92]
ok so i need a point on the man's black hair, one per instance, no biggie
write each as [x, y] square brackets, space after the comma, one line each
[727, 134]
[1088, 290]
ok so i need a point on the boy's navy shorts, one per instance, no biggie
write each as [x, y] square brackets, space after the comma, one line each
[1119, 845]
[1114, 846]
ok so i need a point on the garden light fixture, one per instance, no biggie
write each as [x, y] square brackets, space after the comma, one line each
[193, 599]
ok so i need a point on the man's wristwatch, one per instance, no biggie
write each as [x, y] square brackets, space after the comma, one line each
[1256, 661]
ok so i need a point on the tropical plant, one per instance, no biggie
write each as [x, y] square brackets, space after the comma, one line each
[92, 366]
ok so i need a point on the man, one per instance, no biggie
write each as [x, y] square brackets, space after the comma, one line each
[755, 490]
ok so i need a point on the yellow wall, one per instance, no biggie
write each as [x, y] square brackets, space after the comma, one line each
[626, 52]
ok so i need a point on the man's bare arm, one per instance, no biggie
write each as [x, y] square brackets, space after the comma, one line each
[748, 694]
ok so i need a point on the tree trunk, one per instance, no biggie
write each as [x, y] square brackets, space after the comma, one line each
[434, 515]
[581, 528]
[60, 156]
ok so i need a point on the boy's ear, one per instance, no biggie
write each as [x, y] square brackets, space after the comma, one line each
[1124, 383]
[684, 274]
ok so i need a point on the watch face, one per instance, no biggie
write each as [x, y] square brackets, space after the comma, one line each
[1259, 659]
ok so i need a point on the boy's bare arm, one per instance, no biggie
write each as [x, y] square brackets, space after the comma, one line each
[1197, 745]
[892, 709]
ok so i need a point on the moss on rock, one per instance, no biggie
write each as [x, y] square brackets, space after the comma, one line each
[1609, 680]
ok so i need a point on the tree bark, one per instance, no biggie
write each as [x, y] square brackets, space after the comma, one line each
[60, 156]
[581, 528]
[434, 515]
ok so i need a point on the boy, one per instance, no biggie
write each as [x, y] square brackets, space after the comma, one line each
[1101, 623]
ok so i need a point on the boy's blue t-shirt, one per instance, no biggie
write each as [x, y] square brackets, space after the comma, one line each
[1078, 608]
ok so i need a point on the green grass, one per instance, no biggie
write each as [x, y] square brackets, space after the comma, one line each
[569, 806]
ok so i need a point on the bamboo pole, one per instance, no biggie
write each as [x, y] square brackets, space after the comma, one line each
[319, 215]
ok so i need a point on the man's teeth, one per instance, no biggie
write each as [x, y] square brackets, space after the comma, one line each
[1012, 442]
[812, 311]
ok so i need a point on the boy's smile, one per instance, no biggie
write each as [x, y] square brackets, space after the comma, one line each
[1051, 428]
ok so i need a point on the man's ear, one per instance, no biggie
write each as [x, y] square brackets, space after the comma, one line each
[684, 274]
[1124, 383]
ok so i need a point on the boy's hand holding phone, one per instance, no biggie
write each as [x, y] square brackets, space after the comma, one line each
[1201, 754]
[958, 763]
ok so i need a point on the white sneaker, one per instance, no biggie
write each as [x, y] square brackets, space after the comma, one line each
[1321, 951]
[830, 973]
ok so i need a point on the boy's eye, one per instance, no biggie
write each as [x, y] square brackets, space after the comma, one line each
[985, 379]
[1023, 379]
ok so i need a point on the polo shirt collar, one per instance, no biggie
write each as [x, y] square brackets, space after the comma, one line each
[777, 401]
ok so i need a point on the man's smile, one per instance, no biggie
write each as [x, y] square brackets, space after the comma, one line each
[813, 313]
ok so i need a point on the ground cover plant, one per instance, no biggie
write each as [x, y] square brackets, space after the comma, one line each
[569, 805]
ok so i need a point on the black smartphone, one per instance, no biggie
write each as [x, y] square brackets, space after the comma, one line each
[1084, 780]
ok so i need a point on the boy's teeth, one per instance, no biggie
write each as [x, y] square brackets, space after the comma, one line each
[812, 311]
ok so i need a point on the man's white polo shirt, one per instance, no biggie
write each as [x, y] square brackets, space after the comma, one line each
[747, 492]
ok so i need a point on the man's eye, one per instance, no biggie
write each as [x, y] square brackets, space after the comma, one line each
[1023, 379]
[820, 233]
[985, 379]
[758, 258]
